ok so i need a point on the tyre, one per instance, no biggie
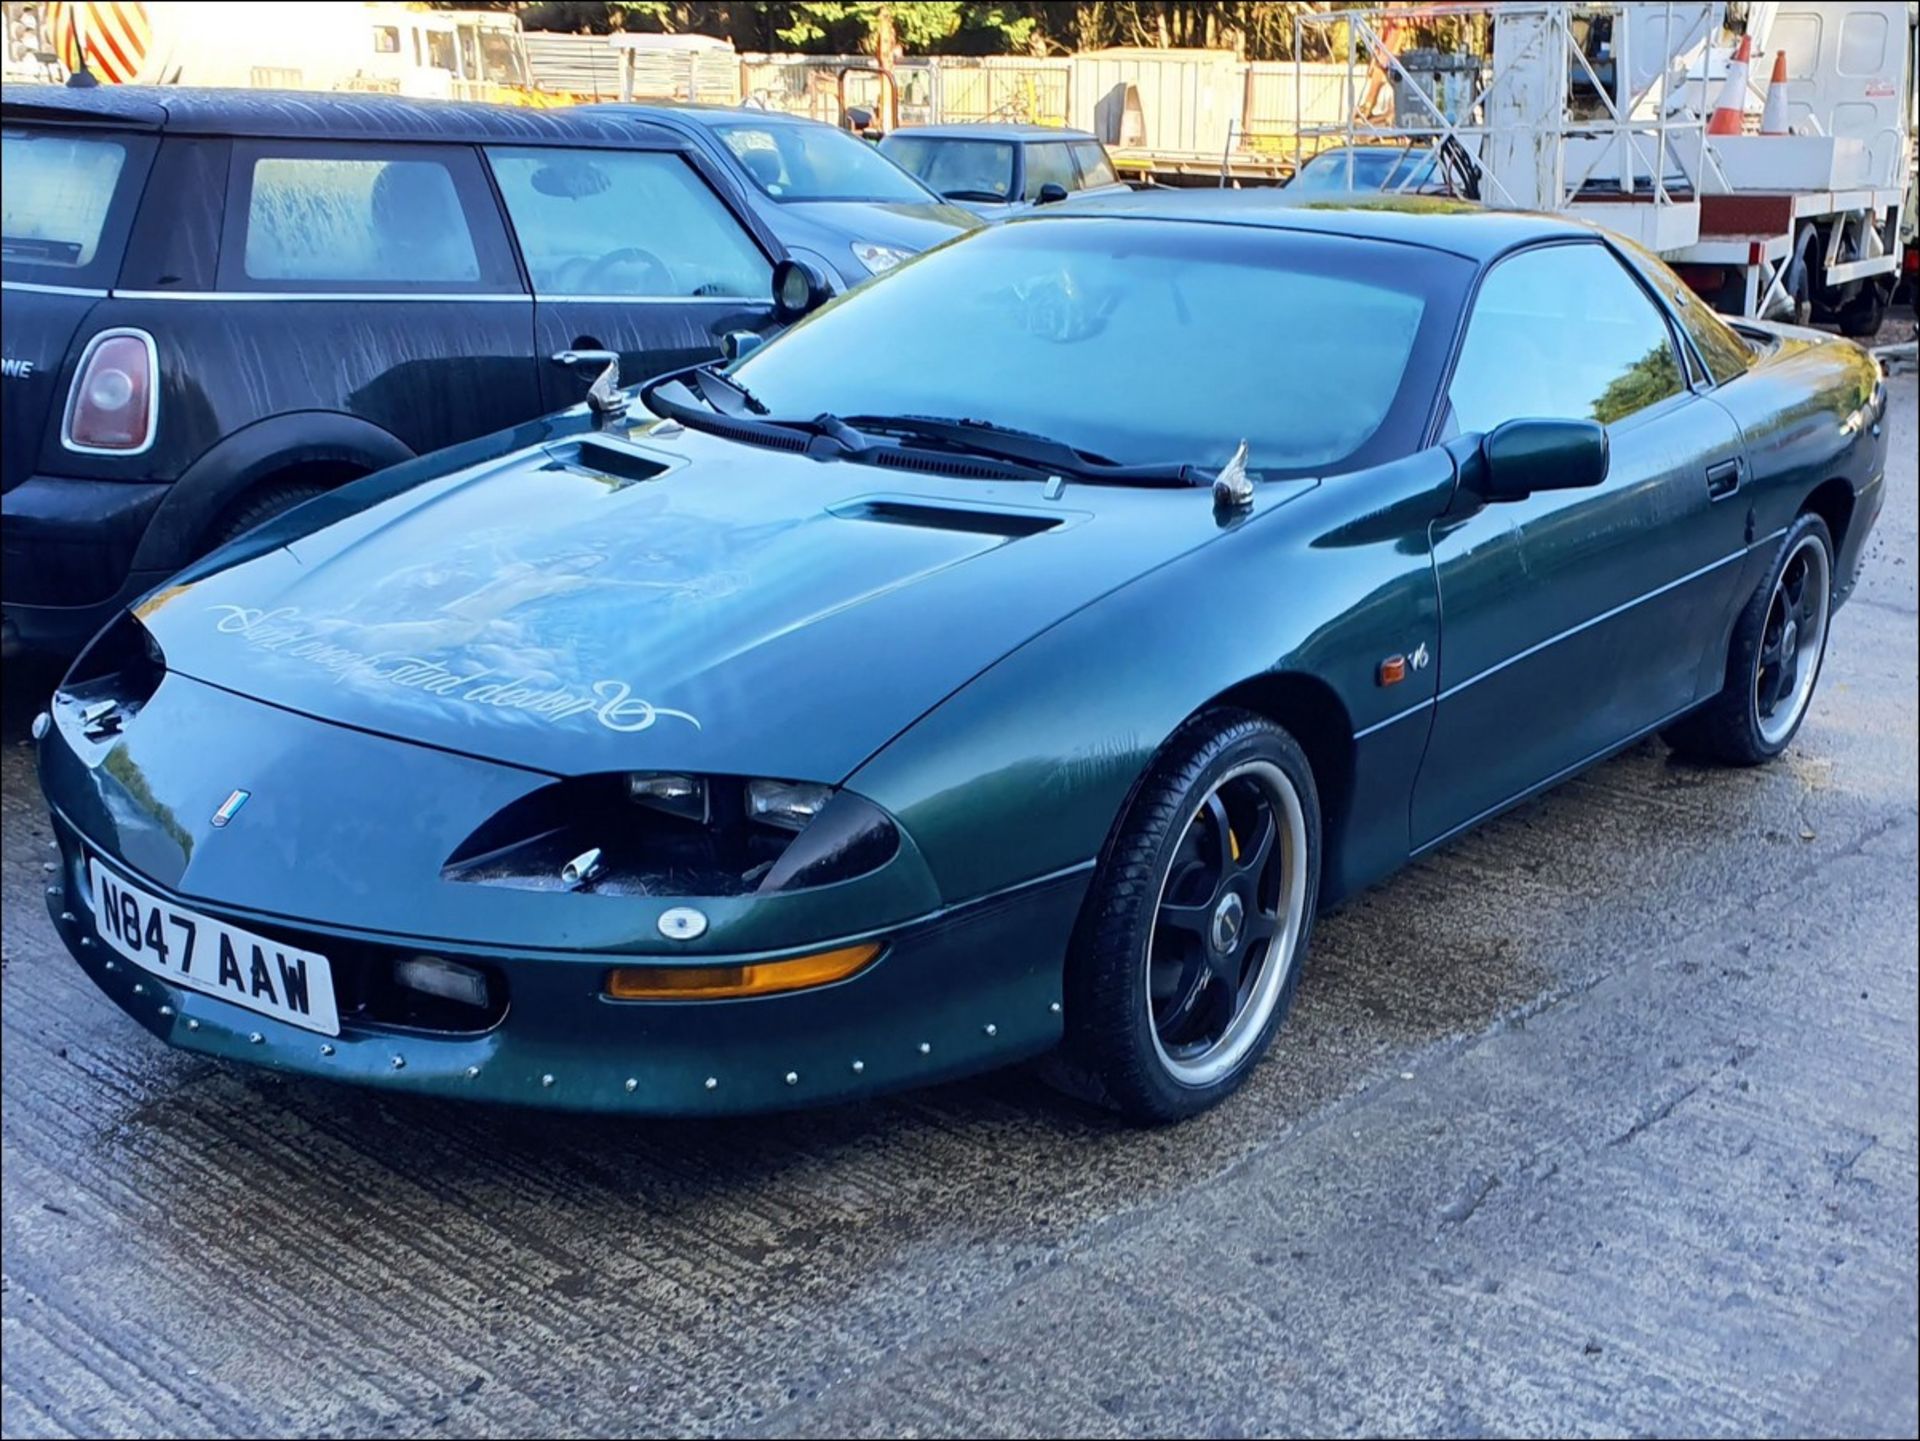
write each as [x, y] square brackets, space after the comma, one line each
[1862, 318]
[1195, 929]
[1778, 645]
[258, 506]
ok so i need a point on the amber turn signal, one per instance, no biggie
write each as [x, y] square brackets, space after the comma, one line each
[756, 978]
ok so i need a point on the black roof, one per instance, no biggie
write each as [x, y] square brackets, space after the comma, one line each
[1460, 227]
[669, 111]
[323, 115]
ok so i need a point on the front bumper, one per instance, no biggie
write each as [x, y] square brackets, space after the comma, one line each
[957, 992]
[68, 547]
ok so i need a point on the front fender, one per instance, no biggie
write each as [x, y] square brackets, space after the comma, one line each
[1023, 772]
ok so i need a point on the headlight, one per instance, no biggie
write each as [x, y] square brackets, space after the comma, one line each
[786, 804]
[667, 833]
[879, 258]
[676, 795]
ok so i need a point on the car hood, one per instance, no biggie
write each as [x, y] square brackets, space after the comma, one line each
[904, 225]
[680, 603]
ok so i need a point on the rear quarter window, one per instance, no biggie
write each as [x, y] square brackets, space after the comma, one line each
[66, 202]
[367, 218]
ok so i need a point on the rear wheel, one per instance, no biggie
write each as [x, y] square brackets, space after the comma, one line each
[1779, 643]
[1863, 316]
[260, 505]
[1197, 923]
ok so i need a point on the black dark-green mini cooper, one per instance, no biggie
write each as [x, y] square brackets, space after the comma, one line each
[1011, 657]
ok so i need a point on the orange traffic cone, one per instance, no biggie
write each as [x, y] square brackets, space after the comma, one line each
[1773, 120]
[1729, 114]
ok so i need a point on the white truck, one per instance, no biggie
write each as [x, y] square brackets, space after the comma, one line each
[1601, 111]
[289, 45]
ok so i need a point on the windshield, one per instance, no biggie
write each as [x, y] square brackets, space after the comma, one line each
[963, 169]
[1143, 341]
[1329, 172]
[500, 57]
[57, 204]
[817, 162]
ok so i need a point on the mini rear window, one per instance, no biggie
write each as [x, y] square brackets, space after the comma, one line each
[66, 199]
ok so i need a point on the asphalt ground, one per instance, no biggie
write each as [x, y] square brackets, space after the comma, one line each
[1602, 1120]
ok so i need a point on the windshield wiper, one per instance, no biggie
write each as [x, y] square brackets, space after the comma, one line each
[1023, 454]
[1002, 442]
[992, 197]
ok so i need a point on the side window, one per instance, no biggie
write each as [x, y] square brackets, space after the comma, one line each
[627, 223]
[1562, 332]
[1095, 168]
[1727, 356]
[328, 216]
[1048, 164]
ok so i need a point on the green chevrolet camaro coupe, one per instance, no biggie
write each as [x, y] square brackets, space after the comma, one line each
[1008, 660]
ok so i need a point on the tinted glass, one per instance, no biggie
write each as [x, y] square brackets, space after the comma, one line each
[625, 223]
[817, 162]
[57, 191]
[1142, 341]
[1095, 168]
[1727, 356]
[1563, 332]
[386, 221]
[961, 169]
[1048, 165]
[1329, 172]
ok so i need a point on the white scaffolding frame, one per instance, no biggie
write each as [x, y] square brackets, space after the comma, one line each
[1626, 139]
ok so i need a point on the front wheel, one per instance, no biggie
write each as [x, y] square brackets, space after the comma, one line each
[1195, 929]
[1779, 643]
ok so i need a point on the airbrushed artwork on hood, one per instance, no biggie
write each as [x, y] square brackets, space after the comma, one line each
[461, 626]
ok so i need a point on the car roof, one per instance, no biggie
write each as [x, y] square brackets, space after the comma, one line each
[321, 115]
[994, 130]
[669, 111]
[1395, 147]
[1459, 227]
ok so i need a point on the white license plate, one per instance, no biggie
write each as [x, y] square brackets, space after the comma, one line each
[193, 950]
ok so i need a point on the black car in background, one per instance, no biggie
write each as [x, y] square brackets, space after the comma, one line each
[833, 199]
[218, 304]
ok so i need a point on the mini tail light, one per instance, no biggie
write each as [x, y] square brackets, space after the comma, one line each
[114, 403]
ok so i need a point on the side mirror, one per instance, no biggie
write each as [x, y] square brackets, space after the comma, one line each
[1523, 456]
[739, 344]
[859, 117]
[798, 289]
[1051, 193]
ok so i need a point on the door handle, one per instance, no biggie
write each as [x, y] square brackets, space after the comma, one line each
[576, 359]
[1723, 479]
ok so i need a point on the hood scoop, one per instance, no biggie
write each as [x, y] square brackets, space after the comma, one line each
[964, 520]
[616, 465]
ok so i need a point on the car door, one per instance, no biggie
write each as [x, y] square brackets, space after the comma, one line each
[365, 277]
[1093, 167]
[630, 251]
[1574, 620]
[1047, 163]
